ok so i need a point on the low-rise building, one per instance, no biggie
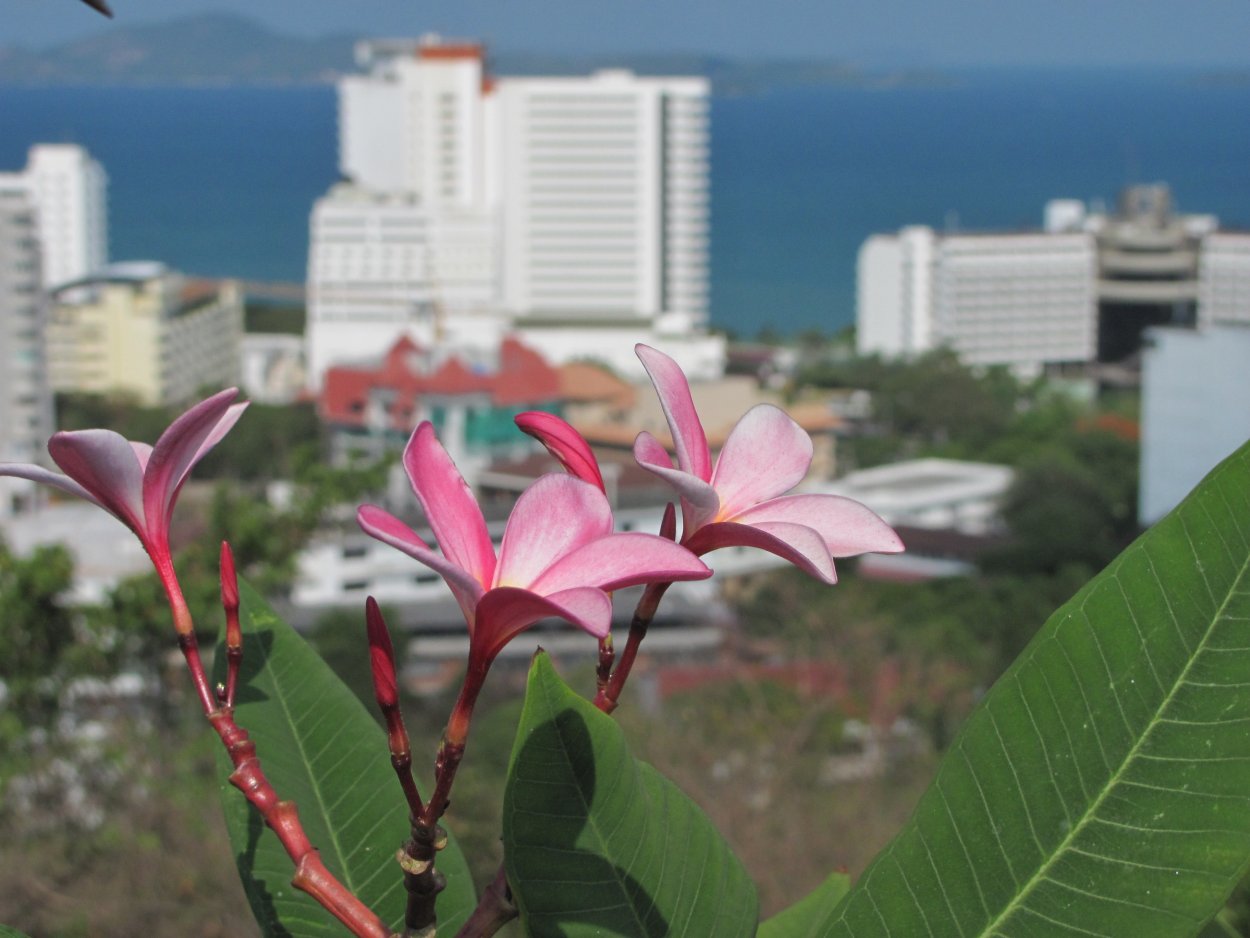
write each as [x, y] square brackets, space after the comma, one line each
[143, 330]
[470, 398]
[272, 366]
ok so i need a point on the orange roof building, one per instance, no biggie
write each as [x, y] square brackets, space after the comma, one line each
[380, 404]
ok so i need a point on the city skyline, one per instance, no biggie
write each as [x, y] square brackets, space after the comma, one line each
[1207, 33]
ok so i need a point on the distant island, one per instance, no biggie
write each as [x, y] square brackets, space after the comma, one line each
[226, 49]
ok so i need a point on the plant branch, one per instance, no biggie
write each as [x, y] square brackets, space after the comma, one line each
[282, 817]
[494, 910]
[610, 690]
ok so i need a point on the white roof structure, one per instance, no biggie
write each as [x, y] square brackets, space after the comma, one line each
[930, 493]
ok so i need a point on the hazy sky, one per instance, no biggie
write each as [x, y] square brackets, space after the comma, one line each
[933, 32]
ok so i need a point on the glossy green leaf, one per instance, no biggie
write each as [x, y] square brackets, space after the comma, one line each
[597, 843]
[321, 749]
[1102, 788]
[1219, 928]
[805, 918]
[7, 932]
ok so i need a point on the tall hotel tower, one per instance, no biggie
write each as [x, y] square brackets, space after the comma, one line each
[67, 190]
[573, 211]
[53, 229]
[25, 398]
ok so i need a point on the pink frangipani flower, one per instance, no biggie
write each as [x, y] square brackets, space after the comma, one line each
[137, 483]
[564, 443]
[741, 501]
[559, 555]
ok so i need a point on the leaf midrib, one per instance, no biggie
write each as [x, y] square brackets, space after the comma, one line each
[1041, 874]
[344, 869]
[591, 823]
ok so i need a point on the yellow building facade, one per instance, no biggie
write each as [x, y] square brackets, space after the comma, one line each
[145, 332]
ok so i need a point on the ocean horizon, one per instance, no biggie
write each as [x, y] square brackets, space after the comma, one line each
[220, 181]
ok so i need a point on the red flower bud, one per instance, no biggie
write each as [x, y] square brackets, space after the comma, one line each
[381, 656]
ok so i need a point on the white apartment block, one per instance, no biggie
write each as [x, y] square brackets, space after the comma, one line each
[418, 121]
[1082, 289]
[1021, 300]
[67, 188]
[143, 330]
[572, 209]
[25, 396]
[384, 264]
[605, 201]
[1224, 278]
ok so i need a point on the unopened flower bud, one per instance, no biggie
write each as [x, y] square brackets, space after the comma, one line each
[381, 657]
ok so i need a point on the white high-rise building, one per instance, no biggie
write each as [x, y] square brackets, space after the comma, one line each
[418, 121]
[573, 210]
[68, 189]
[1022, 300]
[25, 395]
[381, 265]
[605, 201]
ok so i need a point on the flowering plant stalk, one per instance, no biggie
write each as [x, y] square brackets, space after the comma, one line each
[1102, 787]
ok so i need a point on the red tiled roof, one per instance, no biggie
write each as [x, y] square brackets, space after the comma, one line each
[523, 377]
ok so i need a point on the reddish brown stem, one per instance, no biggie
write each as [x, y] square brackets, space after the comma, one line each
[610, 689]
[494, 910]
[607, 698]
[282, 817]
[188, 644]
[451, 751]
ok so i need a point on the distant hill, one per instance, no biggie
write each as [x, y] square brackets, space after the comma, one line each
[221, 48]
[213, 48]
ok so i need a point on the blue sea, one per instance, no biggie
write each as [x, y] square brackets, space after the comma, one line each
[220, 181]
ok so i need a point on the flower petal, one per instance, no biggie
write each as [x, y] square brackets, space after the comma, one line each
[650, 453]
[506, 611]
[106, 466]
[564, 443]
[847, 527]
[699, 501]
[674, 392]
[180, 447]
[449, 506]
[39, 474]
[621, 560]
[143, 452]
[797, 543]
[766, 455]
[555, 515]
[388, 529]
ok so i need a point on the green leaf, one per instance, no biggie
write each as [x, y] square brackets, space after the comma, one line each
[7, 932]
[597, 843]
[1219, 928]
[1102, 788]
[804, 918]
[321, 749]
